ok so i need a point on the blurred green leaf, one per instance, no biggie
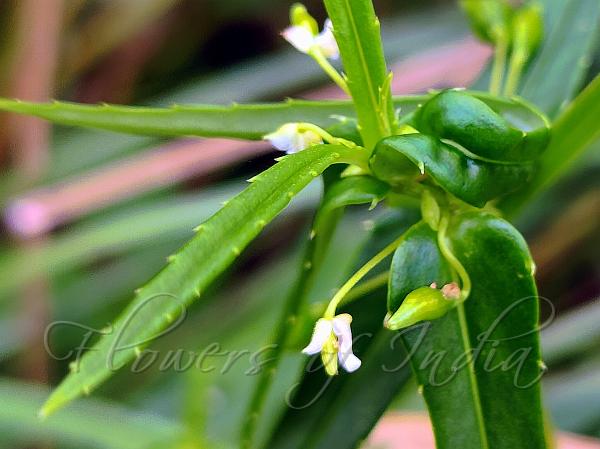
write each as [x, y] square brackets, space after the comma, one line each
[113, 234]
[573, 397]
[91, 423]
[572, 334]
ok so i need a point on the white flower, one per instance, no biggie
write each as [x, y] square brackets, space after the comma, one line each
[291, 138]
[305, 40]
[333, 339]
[326, 42]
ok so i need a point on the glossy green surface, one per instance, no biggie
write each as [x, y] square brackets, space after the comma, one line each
[357, 32]
[472, 180]
[473, 124]
[478, 366]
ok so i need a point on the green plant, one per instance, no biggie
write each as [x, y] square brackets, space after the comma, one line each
[464, 157]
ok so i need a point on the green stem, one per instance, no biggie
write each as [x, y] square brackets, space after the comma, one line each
[465, 280]
[324, 63]
[517, 62]
[356, 277]
[325, 135]
[499, 65]
[366, 287]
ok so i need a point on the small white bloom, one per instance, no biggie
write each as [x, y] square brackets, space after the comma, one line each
[326, 41]
[291, 139]
[334, 337]
[304, 40]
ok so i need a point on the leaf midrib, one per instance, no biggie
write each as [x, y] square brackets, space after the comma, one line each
[466, 341]
[363, 60]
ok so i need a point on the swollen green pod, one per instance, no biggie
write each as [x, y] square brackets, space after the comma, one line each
[471, 123]
[472, 180]
[422, 304]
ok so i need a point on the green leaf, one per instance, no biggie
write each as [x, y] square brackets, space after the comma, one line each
[472, 180]
[357, 32]
[91, 423]
[244, 121]
[239, 121]
[470, 122]
[573, 132]
[248, 121]
[206, 256]
[478, 366]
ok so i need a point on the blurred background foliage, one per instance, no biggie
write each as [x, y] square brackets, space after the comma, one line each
[90, 215]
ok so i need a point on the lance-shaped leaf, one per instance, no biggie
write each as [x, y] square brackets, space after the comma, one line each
[244, 121]
[474, 181]
[479, 365]
[475, 125]
[239, 121]
[357, 32]
[218, 242]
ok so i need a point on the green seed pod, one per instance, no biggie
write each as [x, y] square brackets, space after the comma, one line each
[489, 19]
[422, 304]
[471, 123]
[527, 29]
[299, 16]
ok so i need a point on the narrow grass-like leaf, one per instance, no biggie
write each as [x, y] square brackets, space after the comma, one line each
[218, 242]
[245, 121]
[357, 32]
[238, 121]
[479, 365]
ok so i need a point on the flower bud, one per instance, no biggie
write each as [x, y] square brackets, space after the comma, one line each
[490, 19]
[527, 29]
[299, 16]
